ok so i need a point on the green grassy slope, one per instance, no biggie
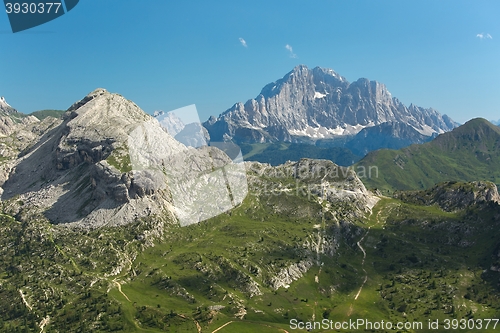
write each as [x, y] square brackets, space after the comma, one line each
[421, 263]
[469, 152]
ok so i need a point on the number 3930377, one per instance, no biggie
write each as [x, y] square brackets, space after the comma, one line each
[33, 8]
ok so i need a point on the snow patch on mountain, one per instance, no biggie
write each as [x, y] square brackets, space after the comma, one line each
[321, 132]
[427, 130]
[319, 95]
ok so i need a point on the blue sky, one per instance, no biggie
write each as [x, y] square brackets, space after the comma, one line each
[166, 54]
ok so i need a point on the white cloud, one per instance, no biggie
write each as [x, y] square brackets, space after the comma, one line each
[484, 36]
[243, 42]
[290, 49]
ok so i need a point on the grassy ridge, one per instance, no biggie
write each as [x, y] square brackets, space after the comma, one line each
[469, 152]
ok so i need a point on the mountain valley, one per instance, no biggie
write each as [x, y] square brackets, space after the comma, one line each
[109, 223]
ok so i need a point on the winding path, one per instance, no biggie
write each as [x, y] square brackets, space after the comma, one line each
[120, 290]
[24, 300]
[363, 261]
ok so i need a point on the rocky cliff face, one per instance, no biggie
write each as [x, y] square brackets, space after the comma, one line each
[18, 133]
[17, 139]
[317, 104]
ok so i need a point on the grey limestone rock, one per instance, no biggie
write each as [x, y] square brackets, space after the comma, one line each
[109, 163]
[318, 103]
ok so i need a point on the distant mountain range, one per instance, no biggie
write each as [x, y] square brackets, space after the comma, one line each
[469, 152]
[318, 106]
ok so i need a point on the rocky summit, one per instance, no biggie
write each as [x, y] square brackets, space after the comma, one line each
[107, 162]
[318, 104]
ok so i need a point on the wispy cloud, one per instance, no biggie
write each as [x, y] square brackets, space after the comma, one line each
[484, 36]
[290, 49]
[243, 42]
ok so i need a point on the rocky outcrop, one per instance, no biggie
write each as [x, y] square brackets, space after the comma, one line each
[11, 120]
[321, 179]
[7, 126]
[289, 274]
[451, 196]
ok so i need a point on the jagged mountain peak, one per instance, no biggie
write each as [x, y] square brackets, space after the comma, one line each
[301, 76]
[300, 69]
[317, 104]
[304, 70]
